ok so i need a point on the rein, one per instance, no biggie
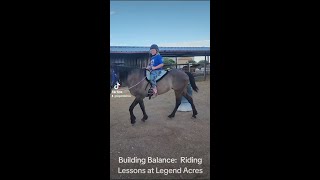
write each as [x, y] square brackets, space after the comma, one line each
[137, 83]
[141, 80]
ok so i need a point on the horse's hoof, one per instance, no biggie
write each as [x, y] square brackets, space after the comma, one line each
[133, 120]
[144, 118]
[171, 116]
[194, 116]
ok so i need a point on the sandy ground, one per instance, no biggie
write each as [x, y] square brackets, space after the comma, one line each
[160, 136]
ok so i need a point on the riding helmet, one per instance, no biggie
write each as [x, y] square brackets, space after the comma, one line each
[154, 46]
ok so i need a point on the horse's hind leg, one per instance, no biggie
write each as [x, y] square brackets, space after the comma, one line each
[132, 117]
[178, 102]
[190, 100]
[145, 116]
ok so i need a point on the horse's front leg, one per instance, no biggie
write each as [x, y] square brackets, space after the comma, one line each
[145, 116]
[132, 117]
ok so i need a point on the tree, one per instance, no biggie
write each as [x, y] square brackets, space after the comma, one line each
[192, 61]
[167, 60]
[168, 63]
[202, 62]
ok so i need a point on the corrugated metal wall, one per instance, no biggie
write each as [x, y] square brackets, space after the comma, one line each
[123, 63]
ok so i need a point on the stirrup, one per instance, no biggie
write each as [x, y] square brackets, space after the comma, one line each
[150, 93]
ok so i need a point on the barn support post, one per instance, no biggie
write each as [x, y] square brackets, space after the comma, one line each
[205, 67]
[176, 62]
[209, 64]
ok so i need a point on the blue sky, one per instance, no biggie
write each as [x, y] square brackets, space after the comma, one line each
[166, 23]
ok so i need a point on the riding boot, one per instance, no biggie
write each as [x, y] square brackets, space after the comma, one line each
[155, 91]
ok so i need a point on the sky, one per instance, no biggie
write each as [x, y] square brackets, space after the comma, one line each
[165, 23]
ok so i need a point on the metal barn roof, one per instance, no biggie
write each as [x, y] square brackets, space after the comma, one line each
[164, 51]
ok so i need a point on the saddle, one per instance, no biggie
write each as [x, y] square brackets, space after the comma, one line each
[159, 77]
[163, 73]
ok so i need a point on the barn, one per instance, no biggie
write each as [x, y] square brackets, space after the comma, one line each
[125, 58]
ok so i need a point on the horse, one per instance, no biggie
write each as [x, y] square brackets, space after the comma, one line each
[175, 79]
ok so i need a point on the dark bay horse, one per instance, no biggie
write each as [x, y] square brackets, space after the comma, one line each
[175, 79]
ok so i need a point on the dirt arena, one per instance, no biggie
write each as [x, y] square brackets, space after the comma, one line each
[160, 137]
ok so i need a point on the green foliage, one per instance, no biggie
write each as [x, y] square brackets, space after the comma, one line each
[202, 62]
[168, 63]
[192, 61]
[167, 60]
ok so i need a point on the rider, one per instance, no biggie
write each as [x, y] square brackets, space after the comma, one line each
[155, 66]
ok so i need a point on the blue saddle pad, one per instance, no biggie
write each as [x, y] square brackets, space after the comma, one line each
[162, 74]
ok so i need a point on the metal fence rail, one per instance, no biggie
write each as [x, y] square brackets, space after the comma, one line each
[195, 68]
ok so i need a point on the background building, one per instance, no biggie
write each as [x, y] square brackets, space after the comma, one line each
[126, 58]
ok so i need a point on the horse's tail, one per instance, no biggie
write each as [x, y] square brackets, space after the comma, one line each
[192, 82]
